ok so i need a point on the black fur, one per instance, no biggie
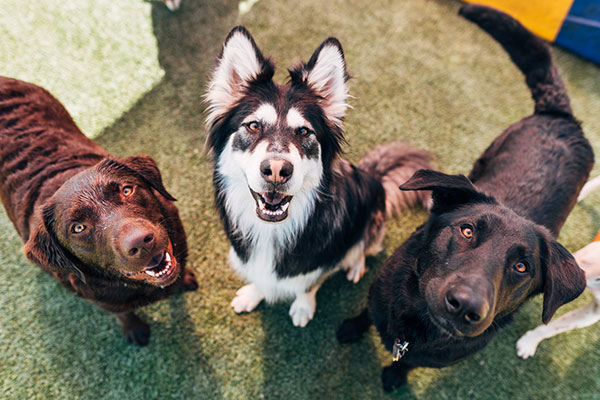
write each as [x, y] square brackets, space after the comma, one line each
[508, 215]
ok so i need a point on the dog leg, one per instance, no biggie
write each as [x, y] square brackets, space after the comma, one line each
[354, 262]
[353, 329]
[393, 376]
[303, 307]
[246, 299]
[189, 281]
[584, 316]
[135, 331]
[357, 271]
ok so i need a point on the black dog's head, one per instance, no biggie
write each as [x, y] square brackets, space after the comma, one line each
[110, 219]
[480, 260]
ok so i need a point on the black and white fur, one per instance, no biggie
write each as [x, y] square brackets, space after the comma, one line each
[294, 211]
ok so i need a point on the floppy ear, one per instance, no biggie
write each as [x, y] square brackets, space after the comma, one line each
[239, 64]
[44, 249]
[325, 73]
[448, 191]
[563, 279]
[145, 168]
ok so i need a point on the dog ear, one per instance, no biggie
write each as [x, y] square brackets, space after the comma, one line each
[448, 191]
[563, 279]
[43, 247]
[145, 168]
[239, 64]
[325, 73]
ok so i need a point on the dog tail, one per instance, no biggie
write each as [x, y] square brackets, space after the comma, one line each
[529, 53]
[393, 164]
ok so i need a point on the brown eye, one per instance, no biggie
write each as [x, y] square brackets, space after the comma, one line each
[520, 267]
[78, 228]
[127, 190]
[253, 126]
[467, 231]
[303, 131]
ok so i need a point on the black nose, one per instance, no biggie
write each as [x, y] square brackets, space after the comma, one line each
[138, 242]
[466, 305]
[276, 170]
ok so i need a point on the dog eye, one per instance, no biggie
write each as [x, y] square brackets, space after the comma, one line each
[127, 190]
[467, 231]
[253, 126]
[303, 131]
[520, 267]
[78, 228]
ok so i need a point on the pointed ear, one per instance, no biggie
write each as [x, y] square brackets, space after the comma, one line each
[563, 279]
[145, 168]
[448, 191]
[325, 73]
[44, 249]
[239, 64]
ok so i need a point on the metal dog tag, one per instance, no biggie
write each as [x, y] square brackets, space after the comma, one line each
[400, 348]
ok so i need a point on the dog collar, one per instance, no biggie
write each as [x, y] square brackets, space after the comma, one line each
[399, 350]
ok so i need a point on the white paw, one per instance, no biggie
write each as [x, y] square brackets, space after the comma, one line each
[526, 345]
[246, 299]
[303, 310]
[355, 273]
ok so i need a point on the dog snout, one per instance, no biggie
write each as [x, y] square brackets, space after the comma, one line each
[276, 171]
[465, 305]
[138, 242]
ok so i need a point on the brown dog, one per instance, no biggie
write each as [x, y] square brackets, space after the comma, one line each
[104, 227]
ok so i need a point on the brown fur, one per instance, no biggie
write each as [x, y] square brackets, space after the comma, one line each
[50, 173]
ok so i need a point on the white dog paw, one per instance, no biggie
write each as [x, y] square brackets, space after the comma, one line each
[303, 309]
[246, 299]
[527, 345]
[355, 273]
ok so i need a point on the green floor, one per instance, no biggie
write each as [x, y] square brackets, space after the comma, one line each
[133, 76]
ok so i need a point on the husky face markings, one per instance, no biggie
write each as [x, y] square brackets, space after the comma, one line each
[277, 167]
[276, 134]
[279, 160]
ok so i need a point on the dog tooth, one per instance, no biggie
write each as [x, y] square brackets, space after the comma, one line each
[285, 207]
[167, 257]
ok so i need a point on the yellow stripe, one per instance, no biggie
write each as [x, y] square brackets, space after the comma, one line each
[543, 17]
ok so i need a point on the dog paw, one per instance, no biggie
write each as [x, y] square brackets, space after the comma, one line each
[355, 273]
[190, 283]
[303, 310]
[246, 299]
[136, 331]
[349, 332]
[392, 378]
[527, 345]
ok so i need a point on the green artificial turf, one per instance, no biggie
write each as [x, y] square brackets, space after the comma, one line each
[133, 76]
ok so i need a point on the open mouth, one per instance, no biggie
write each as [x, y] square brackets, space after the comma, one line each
[161, 270]
[271, 206]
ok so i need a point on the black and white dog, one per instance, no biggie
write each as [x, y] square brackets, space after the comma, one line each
[294, 210]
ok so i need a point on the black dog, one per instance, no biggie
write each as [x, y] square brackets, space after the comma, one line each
[489, 244]
[104, 227]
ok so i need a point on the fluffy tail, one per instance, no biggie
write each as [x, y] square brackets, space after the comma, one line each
[529, 53]
[393, 164]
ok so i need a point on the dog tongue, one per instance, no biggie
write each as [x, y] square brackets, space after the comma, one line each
[273, 198]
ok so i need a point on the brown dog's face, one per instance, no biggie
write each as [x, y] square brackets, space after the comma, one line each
[109, 218]
[481, 261]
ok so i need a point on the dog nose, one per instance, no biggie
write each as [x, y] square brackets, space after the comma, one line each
[137, 242]
[276, 170]
[465, 305]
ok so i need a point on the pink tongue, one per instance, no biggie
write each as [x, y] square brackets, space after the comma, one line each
[273, 198]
